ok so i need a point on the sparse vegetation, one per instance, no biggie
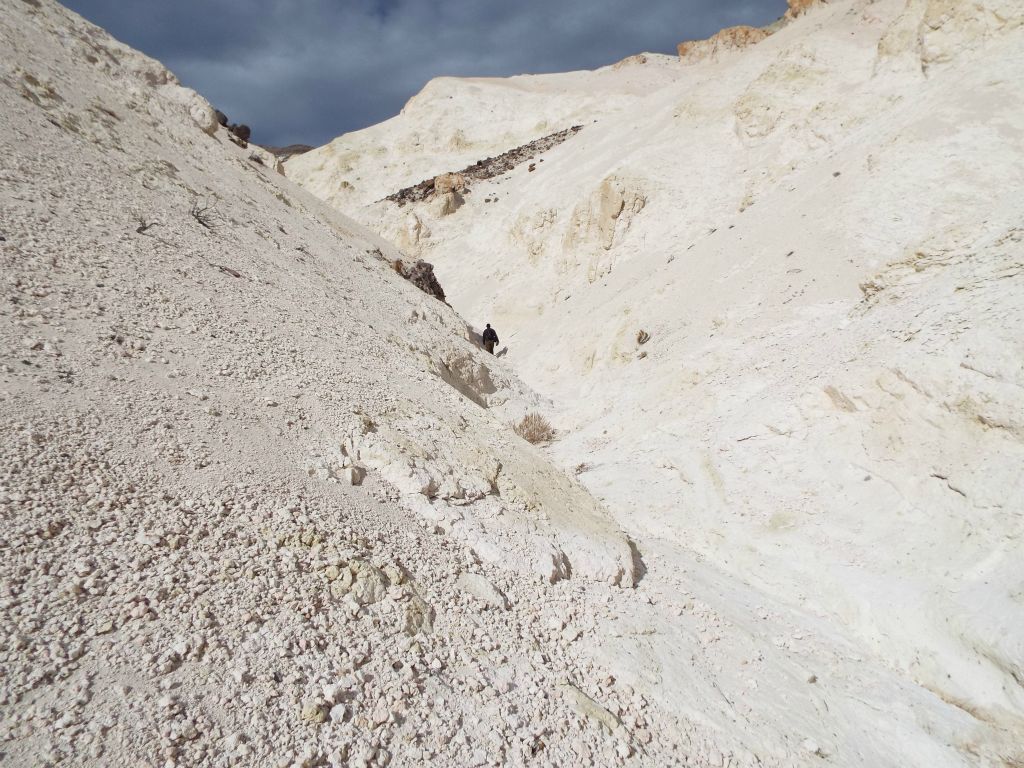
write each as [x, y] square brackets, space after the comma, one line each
[206, 215]
[228, 270]
[534, 428]
[144, 224]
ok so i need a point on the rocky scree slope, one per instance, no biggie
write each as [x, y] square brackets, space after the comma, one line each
[448, 184]
[819, 237]
[256, 487]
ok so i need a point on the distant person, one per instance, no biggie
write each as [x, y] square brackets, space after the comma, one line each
[490, 339]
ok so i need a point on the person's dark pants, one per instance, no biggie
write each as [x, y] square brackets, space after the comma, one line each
[489, 346]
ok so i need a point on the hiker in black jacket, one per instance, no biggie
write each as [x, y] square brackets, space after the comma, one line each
[490, 339]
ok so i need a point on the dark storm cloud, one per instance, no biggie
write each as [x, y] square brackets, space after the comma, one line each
[308, 70]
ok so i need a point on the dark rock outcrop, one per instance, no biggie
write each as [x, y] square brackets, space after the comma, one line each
[237, 132]
[240, 131]
[421, 274]
[484, 169]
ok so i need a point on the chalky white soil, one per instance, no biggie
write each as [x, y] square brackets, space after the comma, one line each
[260, 501]
[775, 297]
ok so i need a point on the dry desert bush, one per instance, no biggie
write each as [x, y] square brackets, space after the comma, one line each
[534, 428]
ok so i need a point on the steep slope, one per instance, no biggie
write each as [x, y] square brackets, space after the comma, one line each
[260, 500]
[455, 122]
[819, 239]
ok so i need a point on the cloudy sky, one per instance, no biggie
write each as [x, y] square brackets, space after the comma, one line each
[308, 70]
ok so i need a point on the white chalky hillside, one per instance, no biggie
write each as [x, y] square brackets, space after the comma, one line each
[774, 289]
[261, 503]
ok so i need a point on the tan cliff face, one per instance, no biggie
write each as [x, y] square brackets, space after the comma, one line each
[937, 29]
[931, 33]
[730, 39]
[739, 37]
[799, 7]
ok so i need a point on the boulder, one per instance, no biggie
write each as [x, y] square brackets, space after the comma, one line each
[370, 583]
[313, 712]
[360, 580]
[260, 156]
[242, 131]
[239, 134]
[419, 616]
[479, 587]
[449, 182]
[198, 108]
[202, 114]
[447, 203]
[448, 188]
[591, 709]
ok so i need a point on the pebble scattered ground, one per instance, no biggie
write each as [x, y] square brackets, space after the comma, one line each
[181, 334]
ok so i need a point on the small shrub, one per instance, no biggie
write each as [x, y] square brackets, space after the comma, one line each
[144, 224]
[534, 428]
[206, 215]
